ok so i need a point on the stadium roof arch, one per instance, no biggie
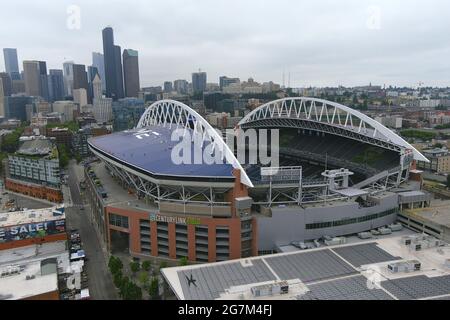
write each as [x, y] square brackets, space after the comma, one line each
[169, 113]
[326, 116]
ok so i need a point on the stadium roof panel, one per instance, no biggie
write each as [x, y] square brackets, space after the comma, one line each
[335, 272]
[150, 149]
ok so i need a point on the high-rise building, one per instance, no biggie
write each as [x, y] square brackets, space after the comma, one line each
[103, 110]
[15, 107]
[168, 86]
[80, 97]
[80, 78]
[126, 113]
[5, 84]
[18, 86]
[91, 73]
[11, 62]
[97, 87]
[120, 93]
[56, 85]
[113, 65]
[131, 73]
[225, 81]
[181, 86]
[98, 61]
[31, 70]
[43, 81]
[198, 82]
[68, 77]
[66, 109]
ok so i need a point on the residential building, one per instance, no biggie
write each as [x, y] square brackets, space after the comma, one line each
[37, 162]
[103, 110]
[439, 161]
[181, 86]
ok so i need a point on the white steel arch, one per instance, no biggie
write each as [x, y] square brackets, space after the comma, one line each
[174, 113]
[328, 113]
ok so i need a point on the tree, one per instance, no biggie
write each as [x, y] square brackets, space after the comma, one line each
[63, 156]
[115, 265]
[135, 266]
[130, 291]
[184, 261]
[146, 265]
[143, 278]
[153, 290]
[448, 181]
[117, 279]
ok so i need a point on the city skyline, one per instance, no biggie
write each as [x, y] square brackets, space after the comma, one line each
[388, 43]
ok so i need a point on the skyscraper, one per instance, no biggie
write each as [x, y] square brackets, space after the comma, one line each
[56, 85]
[119, 72]
[11, 63]
[98, 61]
[43, 81]
[198, 82]
[92, 71]
[97, 87]
[68, 77]
[5, 84]
[80, 78]
[31, 73]
[113, 65]
[131, 73]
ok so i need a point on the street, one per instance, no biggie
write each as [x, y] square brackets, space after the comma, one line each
[101, 286]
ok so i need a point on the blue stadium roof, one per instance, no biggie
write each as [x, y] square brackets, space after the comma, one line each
[150, 150]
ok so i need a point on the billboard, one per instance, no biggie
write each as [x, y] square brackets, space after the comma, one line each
[32, 230]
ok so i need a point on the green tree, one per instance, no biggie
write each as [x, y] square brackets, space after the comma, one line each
[115, 265]
[63, 156]
[146, 265]
[135, 266]
[117, 279]
[153, 290]
[184, 261]
[130, 291]
[143, 278]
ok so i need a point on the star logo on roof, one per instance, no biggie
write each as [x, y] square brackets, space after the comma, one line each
[191, 280]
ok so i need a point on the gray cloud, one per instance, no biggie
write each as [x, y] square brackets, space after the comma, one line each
[320, 42]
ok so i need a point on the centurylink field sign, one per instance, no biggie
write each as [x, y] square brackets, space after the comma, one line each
[173, 219]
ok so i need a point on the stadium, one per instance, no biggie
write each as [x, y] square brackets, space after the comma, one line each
[339, 173]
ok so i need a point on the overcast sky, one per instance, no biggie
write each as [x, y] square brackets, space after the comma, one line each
[320, 42]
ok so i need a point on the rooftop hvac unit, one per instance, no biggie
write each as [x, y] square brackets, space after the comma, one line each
[365, 235]
[404, 266]
[384, 231]
[270, 289]
[396, 227]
